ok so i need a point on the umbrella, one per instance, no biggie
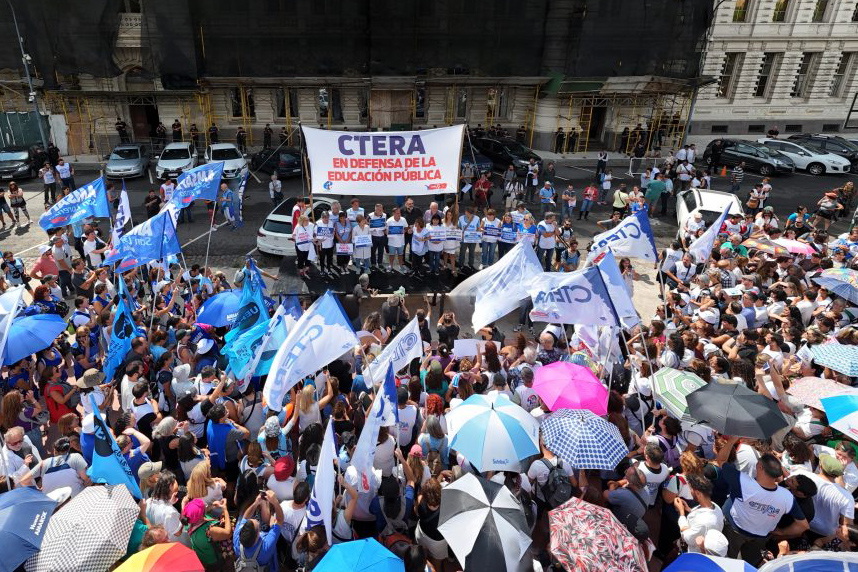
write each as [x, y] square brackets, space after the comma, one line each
[357, 556]
[840, 281]
[24, 516]
[31, 334]
[813, 562]
[795, 246]
[481, 521]
[696, 562]
[563, 385]
[765, 245]
[842, 413]
[840, 358]
[221, 309]
[582, 439]
[733, 409]
[809, 390]
[168, 557]
[492, 432]
[671, 388]
[90, 533]
[589, 538]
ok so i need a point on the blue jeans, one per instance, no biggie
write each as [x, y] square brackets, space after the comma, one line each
[362, 264]
[186, 212]
[434, 260]
[488, 253]
[566, 210]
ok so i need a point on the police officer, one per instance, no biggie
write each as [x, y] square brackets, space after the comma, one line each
[122, 129]
[266, 136]
[213, 134]
[195, 135]
[161, 135]
[177, 131]
[241, 139]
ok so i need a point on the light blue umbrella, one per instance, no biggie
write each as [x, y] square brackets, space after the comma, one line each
[222, 309]
[842, 413]
[840, 281]
[360, 556]
[695, 562]
[31, 334]
[814, 562]
[583, 440]
[840, 358]
[492, 432]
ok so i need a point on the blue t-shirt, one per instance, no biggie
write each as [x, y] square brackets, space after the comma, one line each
[267, 553]
[545, 195]
[135, 460]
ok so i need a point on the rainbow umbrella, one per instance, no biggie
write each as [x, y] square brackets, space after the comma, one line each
[765, 245]
[795, 246]
[563, 385]
[169, 557]
[840, 281]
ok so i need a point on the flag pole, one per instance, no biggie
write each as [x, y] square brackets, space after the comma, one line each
[209, 241]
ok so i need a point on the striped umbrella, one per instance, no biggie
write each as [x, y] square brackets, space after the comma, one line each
[840, 281]
[766, 245]
[840, 358]
[671, 388]
[481, 522]
[492, 432]
[842, 413]
[583, 440]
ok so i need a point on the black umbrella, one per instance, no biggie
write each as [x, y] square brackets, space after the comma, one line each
[733, 409]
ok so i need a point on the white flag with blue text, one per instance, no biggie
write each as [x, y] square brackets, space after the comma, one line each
[321, 335]
[321, 504]
[399, 352]
[123, 216]
[383, 413]
[572, 298]
[632, 237]
[702, 247]
[617, 289]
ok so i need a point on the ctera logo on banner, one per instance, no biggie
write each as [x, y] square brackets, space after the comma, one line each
[577, 298]
[200, 182]
[385, 164]
[87, 201]
[632, 237]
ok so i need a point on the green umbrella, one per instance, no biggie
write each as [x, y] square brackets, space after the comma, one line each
[671, 388]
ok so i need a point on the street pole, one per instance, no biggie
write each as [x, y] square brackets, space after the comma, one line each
[32, 94]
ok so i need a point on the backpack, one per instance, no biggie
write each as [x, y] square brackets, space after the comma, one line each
[671, 452]
[557, 488]
[245, 564]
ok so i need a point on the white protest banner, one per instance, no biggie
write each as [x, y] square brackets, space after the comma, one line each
[363, 240]
[468, 347]
[344, 248]
[391, 164]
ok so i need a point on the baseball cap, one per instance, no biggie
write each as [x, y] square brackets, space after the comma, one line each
[644, 386]
[715, 543]
[830, 465]
[148, 469]
[43, 249]
[416, 450]
[710, 349]
[194, 511]
[709, 317]
[283, 467]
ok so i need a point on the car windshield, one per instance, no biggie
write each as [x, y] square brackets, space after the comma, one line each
[173, 154]
[225, 154]
[288, 158]
[515, 147]
[123, 154]
[710, 216]
[277, 226]
[768, 151]
[13, 155]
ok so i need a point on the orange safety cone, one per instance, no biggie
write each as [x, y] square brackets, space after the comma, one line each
[724, 171]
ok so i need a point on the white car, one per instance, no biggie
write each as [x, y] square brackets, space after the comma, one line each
[176, 158]
[805, 157]
[274, 235]
[234, 163]
[708, 203]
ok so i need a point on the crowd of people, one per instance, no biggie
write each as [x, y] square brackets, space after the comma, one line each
[230, 478]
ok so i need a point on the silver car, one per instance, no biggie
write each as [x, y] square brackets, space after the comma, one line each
[127, 161]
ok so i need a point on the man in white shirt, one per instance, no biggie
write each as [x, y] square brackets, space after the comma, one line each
[93, 249]
[696, 522]
[294, 512]
[396, 226]
[409, 416]
[129, 380]
[834, 507]
[167, 189]
[355, 210]
[12, 464]
[275, 189]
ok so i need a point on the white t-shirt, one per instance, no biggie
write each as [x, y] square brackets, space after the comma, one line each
[437, 235]
[88, 247]
[654, 481]
[538, 473]
[167, 191]
[758, 510]
[491, 230]
[69, 477]
[282, 489]
[160, 513]
[377, 224]
[551, 240]
[325, 233]
[303, 236]
[384, 457]
[830, 502]
[407, 421]
[292, 519]
[396, 232]
[527, 397]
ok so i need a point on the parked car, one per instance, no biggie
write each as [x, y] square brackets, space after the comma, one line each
[505, 151]
[830, 144]
[18, 163]
[273, 237]
[757, 157]
[234, 163]
[808, 158]
[471, 156]
[287, 161]
[127, 161]
[176, 158]
[708, 203]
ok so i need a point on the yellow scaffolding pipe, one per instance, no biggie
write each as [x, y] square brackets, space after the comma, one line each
[533, 125]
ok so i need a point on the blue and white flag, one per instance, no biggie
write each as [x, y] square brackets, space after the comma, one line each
[578, 297]
[618, 292]
[251, 353]
[499, 289]
[320, 507]
[122, 331]
[398, 353]
[200, 182]
[108, 465]
[383, 413]
[153, 239]
[251, 309]
[89, 200]
[123, 216]
[323, 334]
[632, 237]
[702, 247]
[293, 306]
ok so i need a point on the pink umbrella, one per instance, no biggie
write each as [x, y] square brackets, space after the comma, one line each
[795, 246]
[563, 385]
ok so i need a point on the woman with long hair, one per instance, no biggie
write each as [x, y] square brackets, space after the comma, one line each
[201, 485]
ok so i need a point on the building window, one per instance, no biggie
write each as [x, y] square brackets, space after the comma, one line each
[766, 74]
[728, 74]
[420, 102]
[756, 128]
[843, 68]
[241, 102]
[284, 96]
[793, 128]
[461, 103]
[855, 14]
[329, 103]
[719, 130]
[819, 13]
[830, 127]
[740, 12]
[497, 102]
[802, 78]
[781, 7]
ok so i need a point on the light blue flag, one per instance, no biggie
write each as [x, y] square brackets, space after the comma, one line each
[383, 413]
[108, 465]
[122, 331]
[632, 237]
[617, 289]
[89, 200]
[702, 247]
[293, 306]
[200, 182]
[251, 308]
[323, 334]
[151, 240]
[572, 298]
[253, 349]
